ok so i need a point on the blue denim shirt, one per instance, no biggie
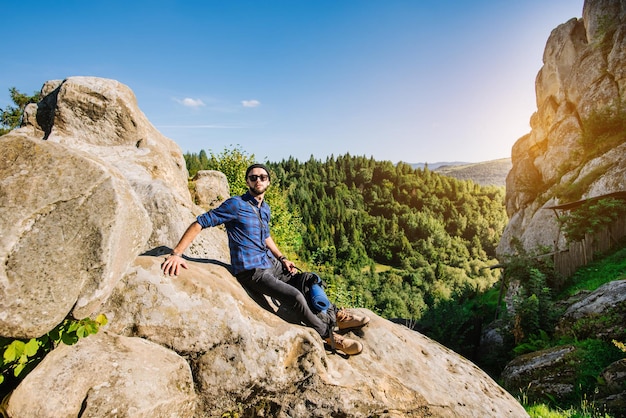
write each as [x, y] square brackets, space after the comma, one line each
[247, 226]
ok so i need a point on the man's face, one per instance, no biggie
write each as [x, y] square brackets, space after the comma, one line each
[257, 181]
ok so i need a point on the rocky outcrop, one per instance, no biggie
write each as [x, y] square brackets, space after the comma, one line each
[557, 375]
[582, 78]
[92, 196]
[584, 71]
[582, 83]
[243, 354]
[100, 117]
[211, 188]
[552, 371]
[99, 370]
[71, 226]
[600, 314]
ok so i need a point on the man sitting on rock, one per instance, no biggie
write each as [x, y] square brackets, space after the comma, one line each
[256, 260]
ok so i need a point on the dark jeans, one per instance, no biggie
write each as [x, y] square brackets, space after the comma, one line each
[280, 285]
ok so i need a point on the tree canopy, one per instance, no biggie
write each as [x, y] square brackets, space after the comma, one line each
[11, 116]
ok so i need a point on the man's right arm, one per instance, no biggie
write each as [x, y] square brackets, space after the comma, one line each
[175, 261]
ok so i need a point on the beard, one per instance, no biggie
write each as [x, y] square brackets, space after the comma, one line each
[257, 190]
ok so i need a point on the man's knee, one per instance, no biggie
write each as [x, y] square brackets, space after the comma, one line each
[299, 300]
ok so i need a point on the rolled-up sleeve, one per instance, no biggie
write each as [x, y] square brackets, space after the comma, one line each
[222, 214]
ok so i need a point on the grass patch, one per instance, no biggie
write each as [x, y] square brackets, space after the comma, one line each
[590, 277]
[378, 268]
[586, 410]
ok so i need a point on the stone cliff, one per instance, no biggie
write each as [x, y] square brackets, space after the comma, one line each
[565, 157]
[91, 196]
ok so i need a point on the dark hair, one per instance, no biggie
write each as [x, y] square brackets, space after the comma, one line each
[258, 166]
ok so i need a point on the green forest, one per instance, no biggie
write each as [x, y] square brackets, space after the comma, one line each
[402, 239]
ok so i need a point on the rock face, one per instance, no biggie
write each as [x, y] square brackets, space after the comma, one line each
[584, 71]
[100, 117]
[601, 314]
[211, 188]
[99, 370]
[91, 196]
[71, 225]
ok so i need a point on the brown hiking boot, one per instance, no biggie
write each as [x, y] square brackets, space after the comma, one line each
[349, 320]
[347, 345]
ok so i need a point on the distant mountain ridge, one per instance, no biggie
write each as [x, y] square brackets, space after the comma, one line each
[486, 173]
[434, 166]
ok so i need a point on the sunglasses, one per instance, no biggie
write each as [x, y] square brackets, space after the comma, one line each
[254, 177]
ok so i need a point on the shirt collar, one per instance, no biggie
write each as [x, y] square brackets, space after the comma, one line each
[247, 197]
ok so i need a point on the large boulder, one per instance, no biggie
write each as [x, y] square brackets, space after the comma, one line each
[210, 188]
[243, 354]
[543, 375]
[101, 117]
[107, 376]
[71, 226]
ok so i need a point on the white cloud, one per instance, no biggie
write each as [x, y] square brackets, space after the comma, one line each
[250, 103]
[189, 102]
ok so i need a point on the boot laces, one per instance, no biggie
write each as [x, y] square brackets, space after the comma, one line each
[344, 315]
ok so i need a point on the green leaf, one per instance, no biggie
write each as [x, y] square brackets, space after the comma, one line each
[93, 328]
[31, 347]
[69, 339]
[82, 332]
[18, 369]
[1, 378]
[54, 335]
[13, 351]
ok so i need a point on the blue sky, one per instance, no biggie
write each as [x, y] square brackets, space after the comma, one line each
[398, 80]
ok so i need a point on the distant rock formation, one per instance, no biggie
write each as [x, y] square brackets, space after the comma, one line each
[584, 71]
[92, 196]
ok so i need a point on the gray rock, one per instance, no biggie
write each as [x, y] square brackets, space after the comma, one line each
[243, 354]
[542, 372]
[107, 376]
[211, 188]
[71, 226]
[600, 314]
[101, 117]
[612, 393]
[599, 301]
